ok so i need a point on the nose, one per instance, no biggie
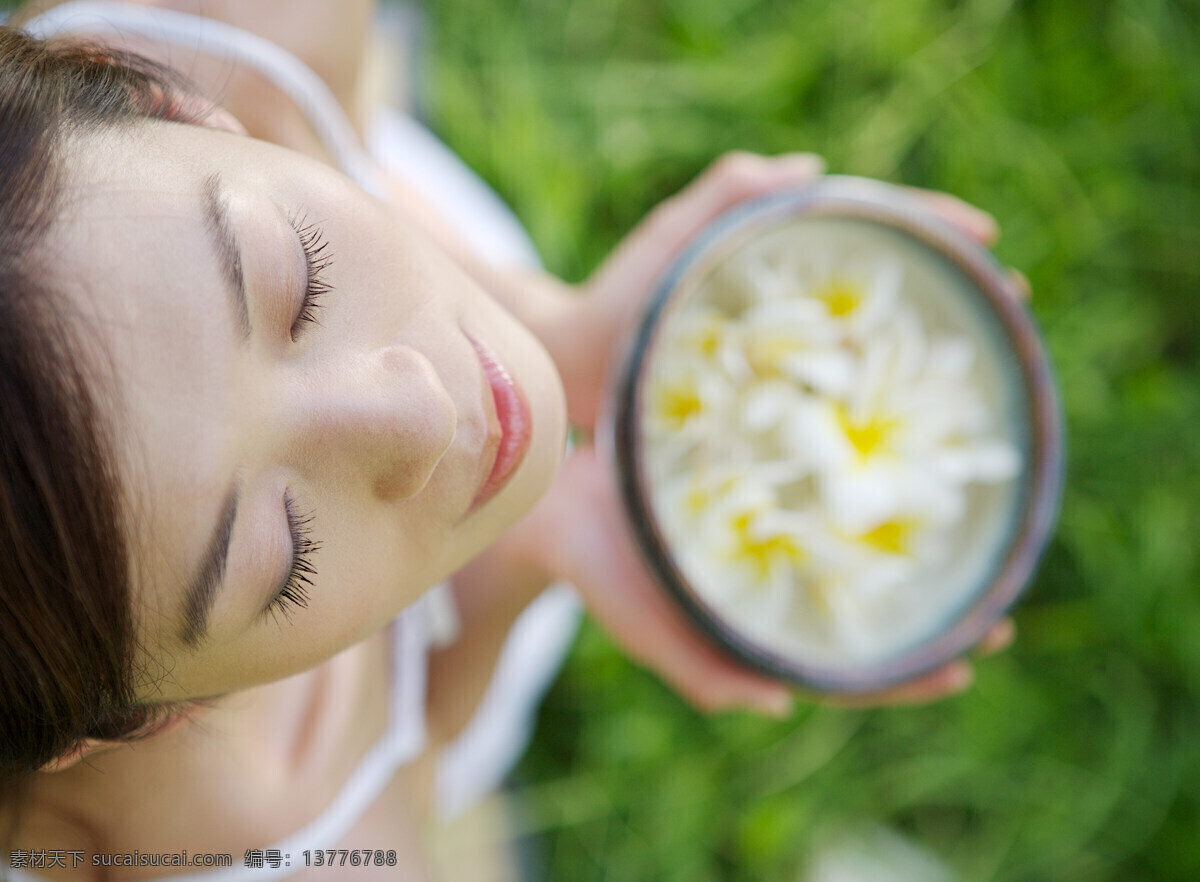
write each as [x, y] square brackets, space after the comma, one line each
[382, 417]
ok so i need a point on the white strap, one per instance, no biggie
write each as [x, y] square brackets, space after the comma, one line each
[477, 761]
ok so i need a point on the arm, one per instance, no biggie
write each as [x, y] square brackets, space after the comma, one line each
[590, 545]
[333, 39]
[579, 527]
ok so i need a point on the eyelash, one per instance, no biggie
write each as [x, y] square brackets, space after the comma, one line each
[299, 579]
[317, 260]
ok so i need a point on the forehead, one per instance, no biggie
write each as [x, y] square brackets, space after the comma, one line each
[131, 254]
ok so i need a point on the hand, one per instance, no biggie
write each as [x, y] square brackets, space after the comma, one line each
[615, 292]
[589, 335]
[947, 680]
[597, 553]
[593, 549]
[585, 540]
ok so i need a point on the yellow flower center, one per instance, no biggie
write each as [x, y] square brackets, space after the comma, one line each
[709, 339]
[760, 551]
[890, 536]
[841, 297]
[677, 403]
[865, 436]
[699, 495]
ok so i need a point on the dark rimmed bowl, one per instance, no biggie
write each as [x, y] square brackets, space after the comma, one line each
[1039, 432]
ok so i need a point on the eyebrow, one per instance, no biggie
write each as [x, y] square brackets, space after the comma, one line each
[201, 593]
[220, 230]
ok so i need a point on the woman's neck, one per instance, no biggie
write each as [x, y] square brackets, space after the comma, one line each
[245, 772]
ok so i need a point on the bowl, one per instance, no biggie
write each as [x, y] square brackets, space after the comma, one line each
[837, 436]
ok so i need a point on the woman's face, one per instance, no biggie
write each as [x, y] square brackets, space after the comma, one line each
[316, 414]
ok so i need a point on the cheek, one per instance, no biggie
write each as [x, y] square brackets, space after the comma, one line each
[373, 562]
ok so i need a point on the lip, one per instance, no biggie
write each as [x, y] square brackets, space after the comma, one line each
[516, 426]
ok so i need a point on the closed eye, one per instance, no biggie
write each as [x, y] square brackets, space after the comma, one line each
[294, 592]
[317, 259]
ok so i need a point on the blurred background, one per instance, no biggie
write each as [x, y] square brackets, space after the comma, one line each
[1076, 756]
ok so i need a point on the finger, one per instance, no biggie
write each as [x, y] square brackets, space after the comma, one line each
[655, 632]
[711, 682]
[1024, 291]
[945, 681]
[660, 639]
[975, 222]
[732, 179]
[942, 683]
[1000, 637]
[644, 621]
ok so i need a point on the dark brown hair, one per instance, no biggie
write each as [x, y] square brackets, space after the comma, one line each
[67, 636]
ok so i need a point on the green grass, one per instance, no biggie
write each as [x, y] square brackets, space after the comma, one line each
[1076, 122]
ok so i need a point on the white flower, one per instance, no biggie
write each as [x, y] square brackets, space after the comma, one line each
[750, 277]
[720, 526]
[813, 448]
[796, 340]
[910, 436]
[857, 291]
[843, 578]
[701, 333]
[760, 560]
[688, 402]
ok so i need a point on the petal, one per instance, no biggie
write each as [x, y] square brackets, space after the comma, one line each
[951, 358]
[829, 371]
[985, 461]
[861, 499]
[814, 434]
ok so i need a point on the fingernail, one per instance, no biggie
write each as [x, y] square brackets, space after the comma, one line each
[779, 705]
[988, 226]
[960, 678]
[1021, 282]
[805, 163]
